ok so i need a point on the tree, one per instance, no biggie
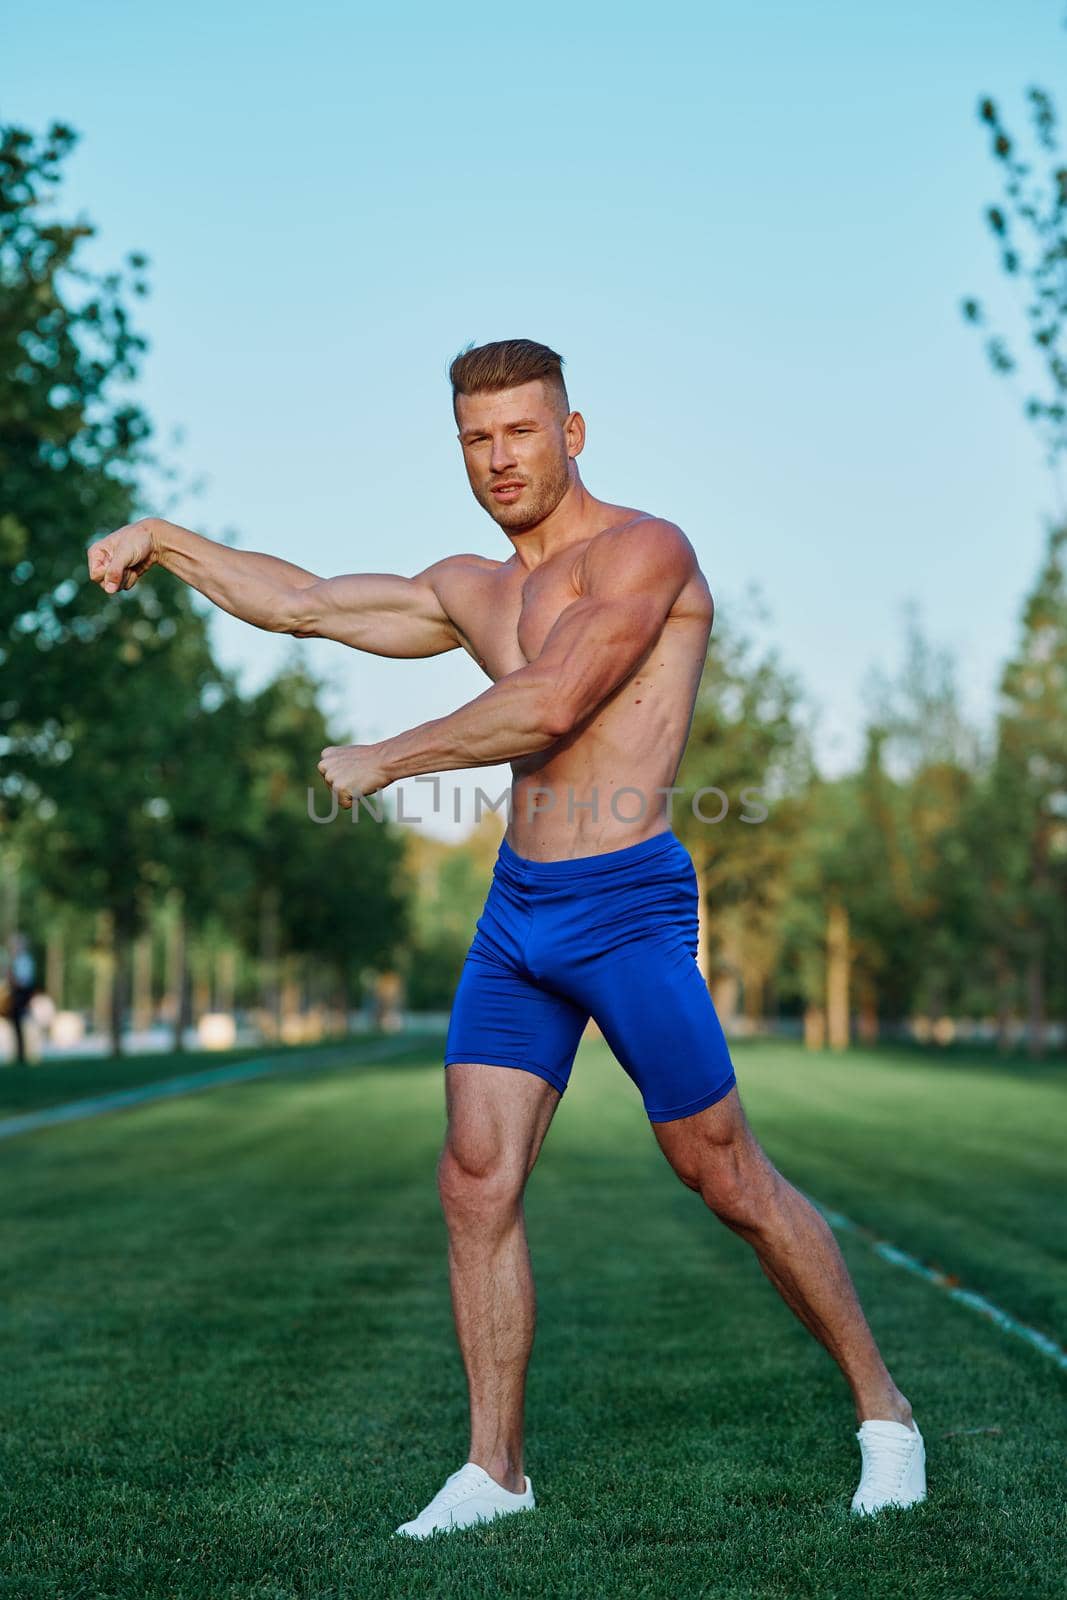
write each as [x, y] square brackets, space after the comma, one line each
[1027, 791]
[128, 763]
[1031, 772]
[331, 893]
[92, 688]
[1030, 227]
[747, 739]
[69, 449]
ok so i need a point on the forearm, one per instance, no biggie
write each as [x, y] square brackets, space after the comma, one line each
[512, 719]
[257, 588]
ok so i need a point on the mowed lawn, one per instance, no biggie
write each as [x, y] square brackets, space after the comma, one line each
[228, 1364]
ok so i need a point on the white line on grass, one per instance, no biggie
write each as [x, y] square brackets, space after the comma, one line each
[190, 1082]
[941, 1280]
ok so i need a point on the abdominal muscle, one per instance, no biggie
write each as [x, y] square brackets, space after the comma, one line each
[596, 788]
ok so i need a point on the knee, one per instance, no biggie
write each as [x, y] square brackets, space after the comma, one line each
[734, 1184]
[477, 1186]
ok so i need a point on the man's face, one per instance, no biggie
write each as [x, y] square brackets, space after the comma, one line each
[517, 449]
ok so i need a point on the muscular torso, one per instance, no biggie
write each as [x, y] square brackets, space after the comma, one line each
[596, 788]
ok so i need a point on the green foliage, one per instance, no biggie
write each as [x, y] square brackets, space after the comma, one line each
[1031, 766]
[69, 448]
[448, 897]
[338, 885]
[97, 695]
[129, 763]
[750, 738]
[1030, 229]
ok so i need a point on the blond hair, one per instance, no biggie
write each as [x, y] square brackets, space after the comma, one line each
[505, 364]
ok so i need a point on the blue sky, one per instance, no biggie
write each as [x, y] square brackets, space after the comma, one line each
[747, 227]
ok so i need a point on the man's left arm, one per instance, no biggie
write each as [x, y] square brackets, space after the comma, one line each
[630, 581]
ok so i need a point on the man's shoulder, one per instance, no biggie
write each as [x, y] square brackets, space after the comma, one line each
[464, 562]
[643, 540]
[456, 571]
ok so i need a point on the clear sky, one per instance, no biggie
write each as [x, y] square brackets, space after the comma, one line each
[747, 227]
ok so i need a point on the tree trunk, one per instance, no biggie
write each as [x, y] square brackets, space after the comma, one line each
[177, 974]
[54, 968]
[142, 982]
[9, 915]
[1035, 1009]
[867, 1024]
[225, 979]
[346, 996]
[814, 1027]
[1003, 991]
[837, 976]
[728, 984]
[290, 996]
[269, 947]
[1035, 966]
[753, 989]
[201, 985]
[102, 959]
[120, 980]
[703, 937]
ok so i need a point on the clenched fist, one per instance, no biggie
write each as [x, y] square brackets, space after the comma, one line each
[117, 561]
[352, 769]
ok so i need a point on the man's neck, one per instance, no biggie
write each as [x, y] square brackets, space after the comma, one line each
[577, 516]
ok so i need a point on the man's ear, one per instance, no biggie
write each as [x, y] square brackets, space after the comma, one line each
[574, 430]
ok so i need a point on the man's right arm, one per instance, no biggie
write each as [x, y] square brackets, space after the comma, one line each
[382, 613]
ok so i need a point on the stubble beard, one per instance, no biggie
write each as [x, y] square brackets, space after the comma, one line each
[543, 495]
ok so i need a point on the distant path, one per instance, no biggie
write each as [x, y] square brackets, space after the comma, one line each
[210, 1078]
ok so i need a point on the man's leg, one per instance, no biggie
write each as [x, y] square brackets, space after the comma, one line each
[497, 1121]
[716, 1153]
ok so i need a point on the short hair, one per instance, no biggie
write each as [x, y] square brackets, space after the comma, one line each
[505, 364]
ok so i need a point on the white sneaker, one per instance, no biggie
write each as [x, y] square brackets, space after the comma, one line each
[469, 1496]
[894, 1466]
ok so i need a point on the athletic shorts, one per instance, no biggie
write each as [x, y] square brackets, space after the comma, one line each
[612, 937]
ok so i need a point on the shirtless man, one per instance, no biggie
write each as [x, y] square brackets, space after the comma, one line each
[594, 632]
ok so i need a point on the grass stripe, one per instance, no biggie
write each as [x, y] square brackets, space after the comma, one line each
[941, 1280]
[211, 1078]
[228, 1367]
[380, 1050]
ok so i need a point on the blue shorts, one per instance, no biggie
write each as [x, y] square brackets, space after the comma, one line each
[612, 937]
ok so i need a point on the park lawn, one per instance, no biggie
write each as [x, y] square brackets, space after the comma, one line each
[958, 1160]
[67, 1078]
[229, 1367]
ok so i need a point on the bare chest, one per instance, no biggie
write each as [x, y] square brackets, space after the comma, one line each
[511, 616]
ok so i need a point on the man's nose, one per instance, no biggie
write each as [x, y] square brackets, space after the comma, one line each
[502, 456]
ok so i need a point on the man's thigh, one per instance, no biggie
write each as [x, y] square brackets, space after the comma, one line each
[654, 1009]
[720, 1129]
[497, 1119]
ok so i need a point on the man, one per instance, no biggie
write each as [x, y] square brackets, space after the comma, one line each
[22, 977]
[594, 632]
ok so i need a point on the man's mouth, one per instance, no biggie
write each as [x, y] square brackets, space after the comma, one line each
[509, 490]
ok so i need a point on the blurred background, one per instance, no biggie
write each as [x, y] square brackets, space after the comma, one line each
[806, 268]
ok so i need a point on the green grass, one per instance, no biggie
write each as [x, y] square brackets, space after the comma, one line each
[228, 1365]
[66, 1078]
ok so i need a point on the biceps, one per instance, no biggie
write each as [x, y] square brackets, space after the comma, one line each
[594, 647]
[379, 612]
